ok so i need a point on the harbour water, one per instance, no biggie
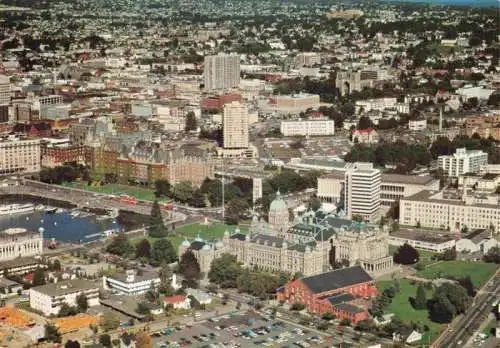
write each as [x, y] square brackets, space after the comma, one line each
[63, 225]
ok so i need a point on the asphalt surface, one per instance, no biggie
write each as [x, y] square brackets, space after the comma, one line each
[459, 333]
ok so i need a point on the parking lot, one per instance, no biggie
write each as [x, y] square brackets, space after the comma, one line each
[239, 330]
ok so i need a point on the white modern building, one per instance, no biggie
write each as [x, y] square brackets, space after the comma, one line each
[235, 126]
[130, 283]
[19, 156]
[49, 298]
[393, 187]
[221, 71]
[463, 161]
[307, 128]
[451, 211]
[362, 191]
[19, 242]
[417, 125]
[307, 59]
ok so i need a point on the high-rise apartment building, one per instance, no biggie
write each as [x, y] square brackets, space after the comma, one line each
[4, 90]
[463, 161]
[362, 191]
[19, 156]
[4, 98]
[235, 125]
[222, 71]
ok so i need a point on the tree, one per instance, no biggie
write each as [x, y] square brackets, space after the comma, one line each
[56, 265]
[72, 344]
[66, 310]
[143, 340]
[191, 123]
[365, 123]
[110, 321]
[156, 226]
[190, 268]
[406, 255]
[105, 340]
[197, 200]
[143, 308]
[183, 191]
[39, 277]
[366, 325]
[314, 204]
[493, 255]
[345, 322]
[420, 298]
[448, 255]
[448, 300]
[143, 249]
[52, 334]
[235, 210]
[244, 281]
[467, 284]
[162, 188]
[163, 250]
[165, 273]
[82, 303]
[224, 271]
[120, 245]
[297, 306]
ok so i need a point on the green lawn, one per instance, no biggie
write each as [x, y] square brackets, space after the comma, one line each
[479, 271]
[141, 193]
[404, 311]
[210, 232]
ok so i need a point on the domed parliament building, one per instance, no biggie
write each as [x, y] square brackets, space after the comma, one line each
[312, 244]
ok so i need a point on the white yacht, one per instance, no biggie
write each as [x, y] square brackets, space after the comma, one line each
[16, 208]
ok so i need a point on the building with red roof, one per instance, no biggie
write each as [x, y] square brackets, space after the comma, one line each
[340, 292]
[177, 302]
[365, 136]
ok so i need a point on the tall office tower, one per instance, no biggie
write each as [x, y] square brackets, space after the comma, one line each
[4, 98]
[235, 125]
[222, 71]
[362, 191]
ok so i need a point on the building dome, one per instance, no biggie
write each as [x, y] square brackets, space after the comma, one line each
[185, 244]
[219, 244]
[237, 231]
[206, 247]
[278, 204]
[198, 238]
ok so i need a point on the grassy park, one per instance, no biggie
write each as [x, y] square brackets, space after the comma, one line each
[479, 271]
[213, 231]
[402, 308]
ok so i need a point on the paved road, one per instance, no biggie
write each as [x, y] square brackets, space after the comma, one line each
[461, 331]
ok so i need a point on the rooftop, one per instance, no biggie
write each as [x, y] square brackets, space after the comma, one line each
[337, 279]
[431, 196]
[66, 287]
[137, 277]
[407, 179]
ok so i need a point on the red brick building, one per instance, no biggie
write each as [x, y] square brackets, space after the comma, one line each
[34, 130]
[54, 155]
[218, 102]
[339, 292]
